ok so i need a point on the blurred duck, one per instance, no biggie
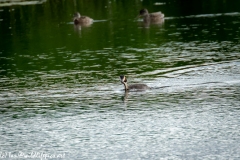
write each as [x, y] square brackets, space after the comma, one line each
[156, 17]
[127, 87]
[82, 20]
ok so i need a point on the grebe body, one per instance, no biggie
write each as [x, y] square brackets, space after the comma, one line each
[82, 20]
[127, 87]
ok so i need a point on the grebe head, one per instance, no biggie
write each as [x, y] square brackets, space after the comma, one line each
[123, 79]
[143, 12]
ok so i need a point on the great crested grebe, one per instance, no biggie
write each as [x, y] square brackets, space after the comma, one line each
[155, 17]
[127, 87]
[82, 20]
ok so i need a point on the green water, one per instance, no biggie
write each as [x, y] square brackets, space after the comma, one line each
[60, 92]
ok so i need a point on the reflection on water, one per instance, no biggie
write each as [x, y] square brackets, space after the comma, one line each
[60, 92]
[149, 24]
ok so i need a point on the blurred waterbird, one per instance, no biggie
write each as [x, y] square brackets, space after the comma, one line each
[156, 17]
[82, 20]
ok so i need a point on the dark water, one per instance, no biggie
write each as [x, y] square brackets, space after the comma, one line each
[60, 93]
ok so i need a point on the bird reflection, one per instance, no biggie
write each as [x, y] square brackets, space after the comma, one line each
[148, 23]
[78, 27]
[125, 97]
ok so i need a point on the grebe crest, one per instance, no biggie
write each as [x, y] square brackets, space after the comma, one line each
[127, 87]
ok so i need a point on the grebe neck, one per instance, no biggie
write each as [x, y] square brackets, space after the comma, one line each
[125, 86]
